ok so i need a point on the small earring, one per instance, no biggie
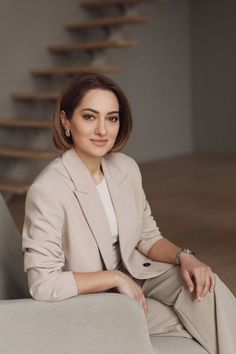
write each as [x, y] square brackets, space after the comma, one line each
[67, 133]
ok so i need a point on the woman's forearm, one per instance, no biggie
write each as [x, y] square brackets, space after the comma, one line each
[94, 282]
[163, 251]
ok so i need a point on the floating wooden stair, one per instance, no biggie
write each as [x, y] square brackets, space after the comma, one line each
[60, 71]
[36, 96]
[26, 123]
[96, 4]
[109, 21]
[13, 187]
[74, 47]
[114, 39]
[27, 154]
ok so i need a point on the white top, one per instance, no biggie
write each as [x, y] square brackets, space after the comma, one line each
[107, 203]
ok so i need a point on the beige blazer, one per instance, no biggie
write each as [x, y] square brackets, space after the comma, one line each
[66, 228]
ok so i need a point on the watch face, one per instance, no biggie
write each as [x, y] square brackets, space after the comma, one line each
[183, 250]
[187, 250]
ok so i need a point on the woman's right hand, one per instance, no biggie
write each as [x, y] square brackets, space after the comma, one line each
[126, 285]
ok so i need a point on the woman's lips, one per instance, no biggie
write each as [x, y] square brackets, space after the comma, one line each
[99, 142]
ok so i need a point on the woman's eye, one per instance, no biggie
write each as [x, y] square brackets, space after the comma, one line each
[88, 117]
[114, 119]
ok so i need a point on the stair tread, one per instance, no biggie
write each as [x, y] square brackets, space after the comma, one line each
[63, 48]
[36, 96]
[109, 21]
[27, 154]
[41, 123]
[74, 70]
[95, 4]
[15, 187]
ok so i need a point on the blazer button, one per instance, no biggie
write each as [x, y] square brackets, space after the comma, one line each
[146, 264]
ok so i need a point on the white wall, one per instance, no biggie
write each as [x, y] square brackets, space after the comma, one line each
[158, 82]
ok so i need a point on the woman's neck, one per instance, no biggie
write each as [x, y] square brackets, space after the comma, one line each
[93, 164]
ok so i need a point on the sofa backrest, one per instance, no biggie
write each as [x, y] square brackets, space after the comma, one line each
[13, 280]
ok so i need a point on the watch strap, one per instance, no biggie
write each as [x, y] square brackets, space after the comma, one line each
[183, 250]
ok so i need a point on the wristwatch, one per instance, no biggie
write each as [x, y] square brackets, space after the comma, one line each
[183, 250]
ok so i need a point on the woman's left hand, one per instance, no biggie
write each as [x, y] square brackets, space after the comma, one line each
[197, 276]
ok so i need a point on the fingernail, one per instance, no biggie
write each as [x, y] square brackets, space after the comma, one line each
[191, 289]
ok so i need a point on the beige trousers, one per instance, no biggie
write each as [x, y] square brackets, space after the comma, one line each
[173, 312]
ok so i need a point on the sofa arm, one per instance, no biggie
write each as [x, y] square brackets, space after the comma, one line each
[104, 323]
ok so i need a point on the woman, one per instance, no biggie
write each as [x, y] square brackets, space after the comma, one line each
[88, 226]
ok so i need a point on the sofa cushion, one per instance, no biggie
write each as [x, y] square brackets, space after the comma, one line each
[13, 280]
[106, 323]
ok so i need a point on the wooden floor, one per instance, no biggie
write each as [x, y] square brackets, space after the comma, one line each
[193, 199]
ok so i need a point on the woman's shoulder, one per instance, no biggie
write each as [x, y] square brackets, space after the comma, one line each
[51, 178]
[119, 158]
[124, 162]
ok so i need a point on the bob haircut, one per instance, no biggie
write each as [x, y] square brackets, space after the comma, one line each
[71, 97]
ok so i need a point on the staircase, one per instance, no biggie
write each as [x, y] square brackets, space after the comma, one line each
[96, 50]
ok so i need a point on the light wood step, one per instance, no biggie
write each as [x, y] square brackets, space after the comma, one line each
[13, 187]
[109, 21]
[27, 154]
[35, 96]
[26, 123]
[74, 47]
[96, 4]
[75, 70]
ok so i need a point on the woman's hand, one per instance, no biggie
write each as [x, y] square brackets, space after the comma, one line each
[197, 275]
[125, 285]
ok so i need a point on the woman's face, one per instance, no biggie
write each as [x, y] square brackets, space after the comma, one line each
[95, 123]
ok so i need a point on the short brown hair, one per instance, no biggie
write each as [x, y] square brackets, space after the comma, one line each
[70, 98]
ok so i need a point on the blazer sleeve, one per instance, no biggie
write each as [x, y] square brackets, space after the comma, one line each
[150, 233]
[42, 247]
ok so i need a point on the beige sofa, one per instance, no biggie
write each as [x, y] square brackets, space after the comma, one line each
[105, 323]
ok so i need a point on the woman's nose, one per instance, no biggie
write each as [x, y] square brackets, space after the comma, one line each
[101, 128]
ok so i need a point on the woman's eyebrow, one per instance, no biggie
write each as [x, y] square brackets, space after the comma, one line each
[94, 111]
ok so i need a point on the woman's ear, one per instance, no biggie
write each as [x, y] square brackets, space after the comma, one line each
[64, 121]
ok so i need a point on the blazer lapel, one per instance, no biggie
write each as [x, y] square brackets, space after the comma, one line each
[91, 204]
[124, 206]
